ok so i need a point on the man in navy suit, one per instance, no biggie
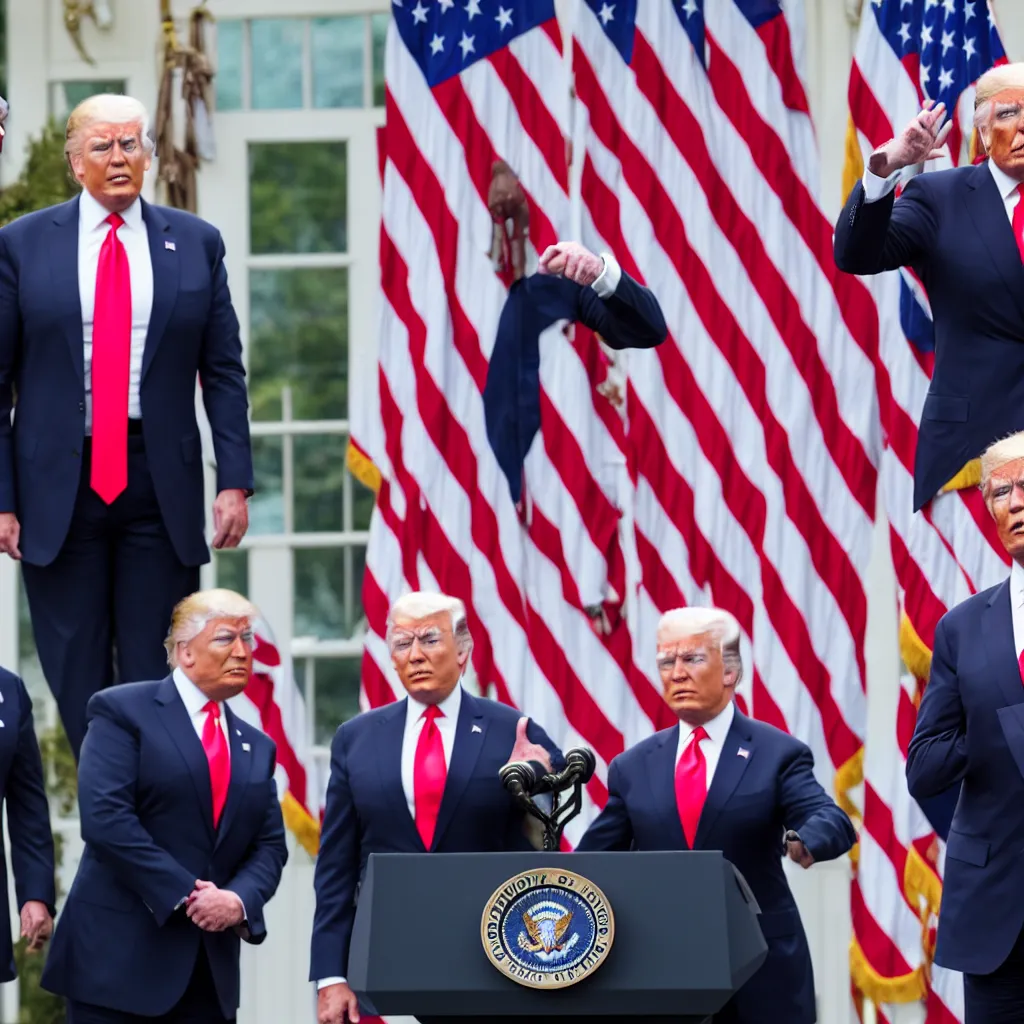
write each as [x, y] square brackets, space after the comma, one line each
[970, 732]
[722, 781]
[28, 822]
[400, 779]
[109, 308]
[184, 840]
[962, 232]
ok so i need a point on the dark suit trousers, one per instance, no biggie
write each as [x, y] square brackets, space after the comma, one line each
[197, 1006]
[112, 587]
[997, 998]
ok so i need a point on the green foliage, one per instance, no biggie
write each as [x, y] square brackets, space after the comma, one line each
[44, 180]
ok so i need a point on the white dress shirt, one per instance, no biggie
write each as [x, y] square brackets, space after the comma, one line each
[195, 700]
[414, 722]
[876, 188]
[711, 747]
[609, 279]
[1017, 607]
[92, 231]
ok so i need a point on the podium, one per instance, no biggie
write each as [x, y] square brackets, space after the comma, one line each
[686, 937]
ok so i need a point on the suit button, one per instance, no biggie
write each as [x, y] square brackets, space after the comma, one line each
[76, 453]
[81, 406]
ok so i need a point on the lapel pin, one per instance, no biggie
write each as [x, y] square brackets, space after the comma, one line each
[238, 732]
[1, 698]
[1, 723]
[743, 752]
[168, 244]
[245, 747]
[476, 728]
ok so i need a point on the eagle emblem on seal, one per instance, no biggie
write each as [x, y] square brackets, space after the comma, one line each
[546, 926]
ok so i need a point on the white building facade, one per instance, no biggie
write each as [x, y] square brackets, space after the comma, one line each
[295, 191]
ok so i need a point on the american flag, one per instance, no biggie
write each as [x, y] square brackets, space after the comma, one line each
[908, 51]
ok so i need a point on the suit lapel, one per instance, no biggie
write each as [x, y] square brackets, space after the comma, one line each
[465, 752]
[661, 768]
[182, 732]
[731, 766]
[997, 626]
[987, 211]
[389, 767]
[241, 768]
[63, 260]
[165, 279]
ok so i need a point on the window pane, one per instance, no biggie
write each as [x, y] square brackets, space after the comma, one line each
[337, 46]
[336, 697]
[298, 337]
[228, 80]
[266, 506]
[319, 475]
[380, 34]
[297, 197]
[277, 63]
[328, 592]
[65, 96]
[231, 569]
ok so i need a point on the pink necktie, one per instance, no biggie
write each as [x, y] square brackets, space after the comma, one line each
[428, 775]
[111, 355]
[691, 784]
[216, 746]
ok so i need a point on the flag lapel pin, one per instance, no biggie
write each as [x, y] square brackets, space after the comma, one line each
[169, 244]
[743, 752]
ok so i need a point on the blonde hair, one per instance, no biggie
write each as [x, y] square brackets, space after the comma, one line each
[719, 623]
[105, 108]
[420, 604]
[194, 613]
[993, 82]
[999, 453]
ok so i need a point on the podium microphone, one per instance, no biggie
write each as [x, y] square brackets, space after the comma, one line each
[519, 778]
[580, 763]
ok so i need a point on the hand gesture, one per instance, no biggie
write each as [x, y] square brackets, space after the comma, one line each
[922, 139]
[336, 1004]
[571, 260]
[797, 852]
[524, 750]
[36, 924]
[213, 909]
[10, 534]
[230, 519]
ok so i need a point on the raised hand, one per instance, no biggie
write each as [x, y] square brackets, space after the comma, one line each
[571, 260]
[922, 139]
[524, 750]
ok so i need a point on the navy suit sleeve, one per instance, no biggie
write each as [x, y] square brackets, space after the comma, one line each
[28, 815]
[259, 874]
[336, 874]
[10, 340]
[806, 808]
[535, 734]
[884, 235]
[222, 375]
[937, 756]
[107, 771]
[611, 829]
[629, 318]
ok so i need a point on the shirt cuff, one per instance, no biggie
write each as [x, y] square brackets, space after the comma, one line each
[245, 915]
[876, 188]
[609, 278]
[324, 982]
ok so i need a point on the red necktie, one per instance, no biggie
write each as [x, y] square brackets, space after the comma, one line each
[429, 772]
[1018, 221]
[1020, 657]
[111, 354]
[216, 746]
[691, 784]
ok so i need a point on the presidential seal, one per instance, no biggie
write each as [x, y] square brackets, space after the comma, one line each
[547, 928]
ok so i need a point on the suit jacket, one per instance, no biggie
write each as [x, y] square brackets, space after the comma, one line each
[367, 810]
[192, 329]
[951, 228]
[753, 798]
[28, 813]
[970, 729]
[123, 940]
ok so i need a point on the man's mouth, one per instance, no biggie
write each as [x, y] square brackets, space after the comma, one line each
[1017, 527]
[119, 179]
